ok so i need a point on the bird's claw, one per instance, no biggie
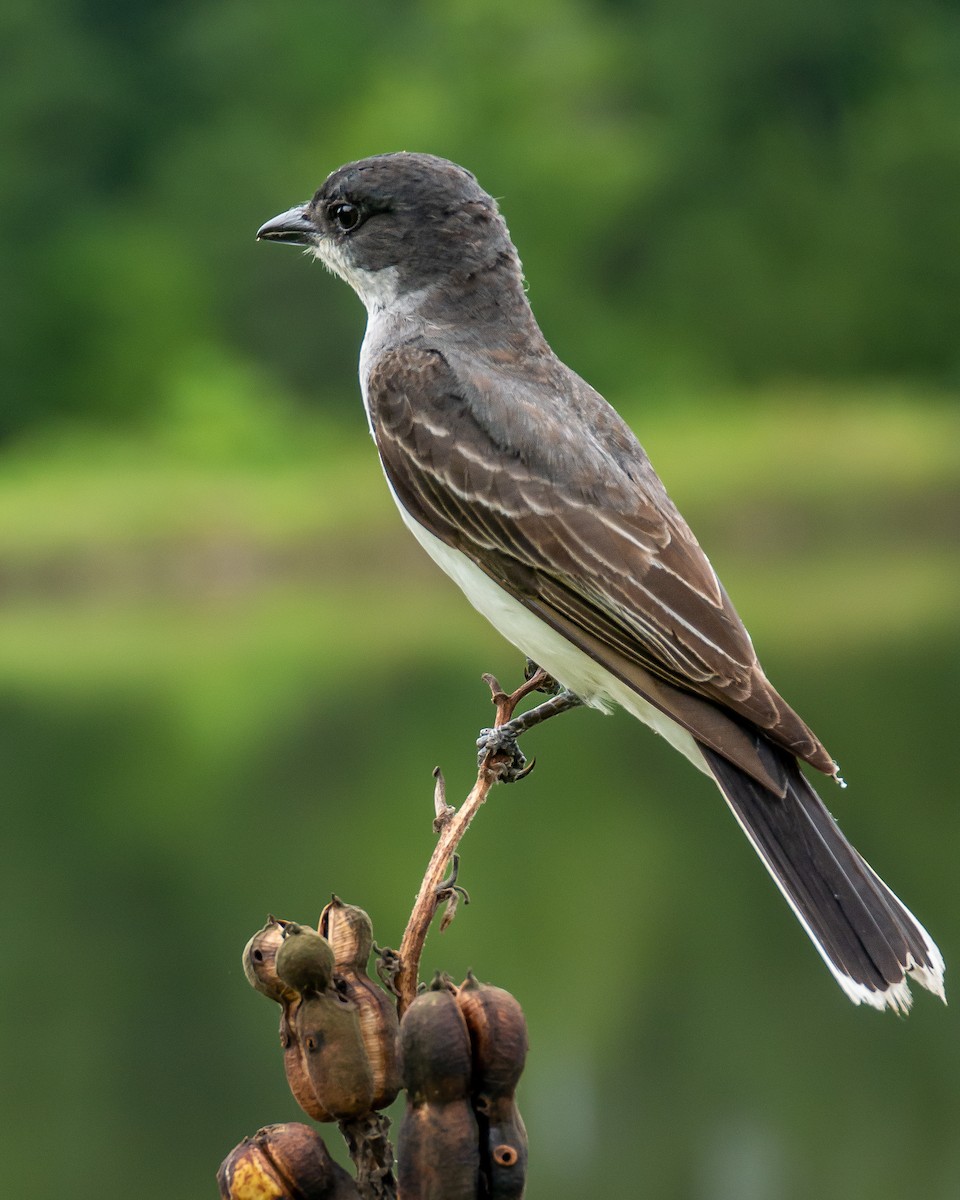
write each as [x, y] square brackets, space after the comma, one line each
[502, 743]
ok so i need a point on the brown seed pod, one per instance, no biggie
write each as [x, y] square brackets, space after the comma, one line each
[498, 1037]
[503, 1152]
[259, 961]
[350, 933]
[259, 965]
[295, 1066]
[304, 960]
[324, 1056]
[438, 1150]
[438, 1156]
[380, 1031]
[326, 1027]
[283, 1162]
[435, 1048]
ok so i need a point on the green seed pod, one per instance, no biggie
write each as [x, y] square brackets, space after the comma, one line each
[350, 934]
[283, 1162]
[435, 1048]
[305, 960]
[327, 1027]
[260, 958]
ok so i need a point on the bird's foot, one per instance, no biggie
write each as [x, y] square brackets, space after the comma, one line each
[500, 743]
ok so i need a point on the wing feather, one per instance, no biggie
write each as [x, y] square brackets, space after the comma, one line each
[582, 533]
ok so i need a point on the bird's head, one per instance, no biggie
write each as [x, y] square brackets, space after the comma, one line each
[397, 224]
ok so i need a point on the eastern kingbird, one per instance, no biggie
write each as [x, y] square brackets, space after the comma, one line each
[528, 489]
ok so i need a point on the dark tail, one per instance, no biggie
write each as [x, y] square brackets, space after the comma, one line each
[866, 936]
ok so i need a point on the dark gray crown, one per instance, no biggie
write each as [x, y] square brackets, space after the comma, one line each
[422, 214]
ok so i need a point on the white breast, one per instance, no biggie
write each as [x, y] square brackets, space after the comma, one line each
[548, 649]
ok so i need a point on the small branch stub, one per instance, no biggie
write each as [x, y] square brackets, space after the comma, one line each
[443, 810]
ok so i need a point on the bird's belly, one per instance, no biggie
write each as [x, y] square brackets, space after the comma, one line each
[592, 682]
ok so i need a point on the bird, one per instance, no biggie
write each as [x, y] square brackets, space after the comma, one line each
[527, 488]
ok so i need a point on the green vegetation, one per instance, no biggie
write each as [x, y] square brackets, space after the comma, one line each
[737, 192]
[134, 530]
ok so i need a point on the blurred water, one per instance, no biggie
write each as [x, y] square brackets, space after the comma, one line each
[175, 771]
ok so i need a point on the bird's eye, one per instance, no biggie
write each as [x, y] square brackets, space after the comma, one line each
[345, 216]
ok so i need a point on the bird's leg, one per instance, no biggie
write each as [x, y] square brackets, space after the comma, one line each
[501, 740]
[539, 680]
[561, 702]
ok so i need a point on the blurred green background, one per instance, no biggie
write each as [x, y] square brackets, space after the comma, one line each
[226, 671]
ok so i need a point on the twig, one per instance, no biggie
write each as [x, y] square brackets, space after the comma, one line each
[368, 1141]
[453, 825]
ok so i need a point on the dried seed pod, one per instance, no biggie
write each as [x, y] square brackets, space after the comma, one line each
[259, 965]
[350, 933]
[304, 961]
[438, 1149]
[503, 1152]
[437, 1152]
[326, 1026]
[324, 1055]
[283, 1162]
[498, 1037]
[295, 1065]
[435, 1047]
[380, 1030]
[260, 958]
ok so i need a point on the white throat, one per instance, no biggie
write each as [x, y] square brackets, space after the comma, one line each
[377, 289]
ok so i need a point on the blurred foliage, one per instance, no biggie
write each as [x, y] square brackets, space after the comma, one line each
[740, 191]
[226, 673]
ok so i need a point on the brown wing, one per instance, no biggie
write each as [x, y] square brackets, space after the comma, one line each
[546, 489]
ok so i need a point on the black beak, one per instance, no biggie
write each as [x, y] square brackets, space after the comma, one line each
[293, 226]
